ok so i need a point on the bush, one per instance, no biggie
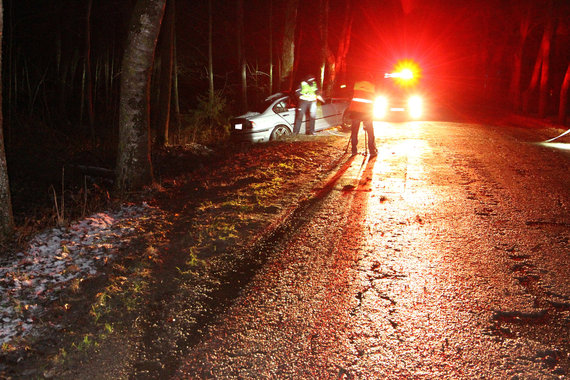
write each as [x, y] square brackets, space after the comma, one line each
[207, 124]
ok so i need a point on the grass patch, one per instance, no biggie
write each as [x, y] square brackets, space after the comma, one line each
[85, 344]
[193, 260]
[101, 306]
[265, 192]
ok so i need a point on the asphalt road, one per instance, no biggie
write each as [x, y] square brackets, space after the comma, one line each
[446, 256]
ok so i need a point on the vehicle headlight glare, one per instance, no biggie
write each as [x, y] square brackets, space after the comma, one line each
[380, 107]
[415, 105]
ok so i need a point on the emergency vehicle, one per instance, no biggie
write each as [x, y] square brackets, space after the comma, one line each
[399, 94]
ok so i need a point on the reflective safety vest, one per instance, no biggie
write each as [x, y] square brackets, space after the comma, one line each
[363, 97]
[308, 91]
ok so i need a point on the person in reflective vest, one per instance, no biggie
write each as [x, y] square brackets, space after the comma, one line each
[307, 93]
[361, 110]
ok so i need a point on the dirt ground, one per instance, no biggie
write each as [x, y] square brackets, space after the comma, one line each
[217, 210]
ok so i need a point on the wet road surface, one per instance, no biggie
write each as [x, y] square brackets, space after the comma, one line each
[446, 256]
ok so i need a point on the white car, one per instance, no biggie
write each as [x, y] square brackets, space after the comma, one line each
[275, 117]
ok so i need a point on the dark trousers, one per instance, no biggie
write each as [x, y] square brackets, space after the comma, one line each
[308, 109]
[357, 118]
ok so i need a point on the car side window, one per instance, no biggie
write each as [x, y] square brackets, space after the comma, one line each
[280, 107]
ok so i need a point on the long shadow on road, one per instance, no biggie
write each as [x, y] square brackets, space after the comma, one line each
[186, 300]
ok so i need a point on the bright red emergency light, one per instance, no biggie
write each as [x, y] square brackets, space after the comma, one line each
[406, 73]
[403, 98]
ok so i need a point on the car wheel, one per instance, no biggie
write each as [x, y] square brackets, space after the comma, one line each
[279, 132]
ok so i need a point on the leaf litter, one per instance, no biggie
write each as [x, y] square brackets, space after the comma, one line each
[54, 258]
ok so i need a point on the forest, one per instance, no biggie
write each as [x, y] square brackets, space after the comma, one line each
[93, 90]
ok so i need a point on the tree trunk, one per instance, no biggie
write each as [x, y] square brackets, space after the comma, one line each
[533, 84]
[134, 168]
[166, 67]
[563, 108]
[175, 94]
[324, 30]
[210, 59]
[241, 55]
[270, 47]
[338, 64]
[515, 84]
[544, 75]
[536, 72]
[288, 47]
[88, 73]
[6, 217]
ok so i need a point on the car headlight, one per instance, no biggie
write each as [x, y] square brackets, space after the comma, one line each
[415, 106]
[380, 107]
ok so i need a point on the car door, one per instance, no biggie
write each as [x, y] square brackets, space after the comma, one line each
[327, 115]
[285, 113]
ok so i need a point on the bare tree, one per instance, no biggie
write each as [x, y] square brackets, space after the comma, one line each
[6, 217]
[540, 70]
[324, 30]
[288, 47]
[166, 71]
[241, 54]
[175, 93]
[545, 68]
[134, 168]
[210, 58]
[337, 63]
[271, 46]
[523, 31]
[87, 82]
[563, 109]
[333, 63]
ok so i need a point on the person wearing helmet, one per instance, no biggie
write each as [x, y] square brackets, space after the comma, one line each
[307, 94]
[361, 109]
